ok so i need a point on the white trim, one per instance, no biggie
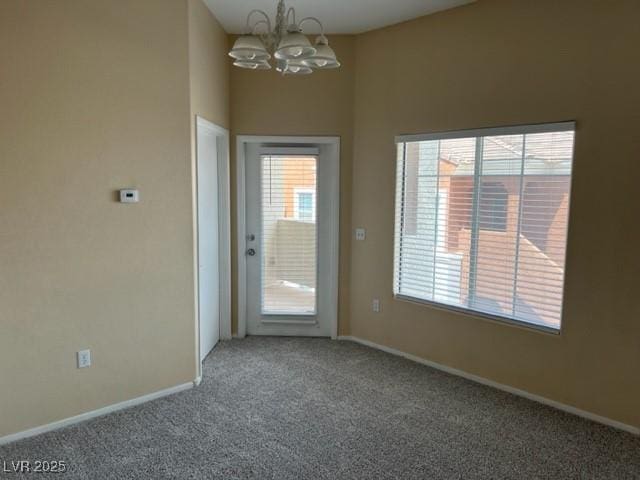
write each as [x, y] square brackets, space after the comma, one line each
[95, 413]
[289, 151]
[334, 236]
[241, 235]
[288, 140]
[224, 227]
[505, 388]
[485, 132]
[279, 143]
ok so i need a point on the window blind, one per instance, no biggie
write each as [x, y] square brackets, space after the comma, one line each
[289, 234]
[481, 220]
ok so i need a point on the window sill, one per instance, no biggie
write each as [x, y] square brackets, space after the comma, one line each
[484, 316]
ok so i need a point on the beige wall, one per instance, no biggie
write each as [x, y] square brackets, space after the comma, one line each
[94, 97]
[265, 103]
[209, 66]
[503, 63]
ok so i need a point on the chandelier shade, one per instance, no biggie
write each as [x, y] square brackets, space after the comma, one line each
[294, 46]
[249, 48]
[253, 65]
[297, 67]
[324, 57]
[294, 54]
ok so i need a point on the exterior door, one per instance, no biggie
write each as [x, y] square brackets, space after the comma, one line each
[288, 225]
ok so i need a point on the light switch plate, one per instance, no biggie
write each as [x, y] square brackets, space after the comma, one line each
[129, 195]
[375, 305]
[361, 234]
[84, 358]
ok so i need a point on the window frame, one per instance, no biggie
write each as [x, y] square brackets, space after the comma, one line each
[480, 132]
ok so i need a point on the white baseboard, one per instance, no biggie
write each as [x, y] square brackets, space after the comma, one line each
[95, 413]
[197, 381]
[506, 388]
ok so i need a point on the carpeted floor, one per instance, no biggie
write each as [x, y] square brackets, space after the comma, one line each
[291, 408]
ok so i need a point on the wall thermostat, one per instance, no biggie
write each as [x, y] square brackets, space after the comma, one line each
[129, 195]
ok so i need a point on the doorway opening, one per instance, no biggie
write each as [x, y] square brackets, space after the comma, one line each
[288, 214]
[213, 242]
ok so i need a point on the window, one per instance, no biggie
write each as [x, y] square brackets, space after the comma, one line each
[481, 220]
[304, 205]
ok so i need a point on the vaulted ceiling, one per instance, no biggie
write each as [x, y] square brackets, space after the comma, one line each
[338, 16]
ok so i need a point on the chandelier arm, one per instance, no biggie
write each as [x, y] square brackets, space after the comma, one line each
[314, 19]
[249, 28]
[260, 22]
[291, 10]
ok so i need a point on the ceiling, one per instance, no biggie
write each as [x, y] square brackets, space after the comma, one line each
[338, 16]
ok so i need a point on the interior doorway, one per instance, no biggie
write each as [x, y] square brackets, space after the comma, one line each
[213, 242]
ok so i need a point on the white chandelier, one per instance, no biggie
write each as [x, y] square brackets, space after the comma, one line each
[293, 52]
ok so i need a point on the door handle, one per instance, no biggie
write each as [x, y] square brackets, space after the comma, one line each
[251, 252]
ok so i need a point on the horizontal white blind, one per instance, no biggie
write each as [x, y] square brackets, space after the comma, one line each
[481, 222]
[289, 234]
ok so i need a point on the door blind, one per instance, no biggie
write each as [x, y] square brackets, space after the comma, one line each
[481, 220]
[289, 235]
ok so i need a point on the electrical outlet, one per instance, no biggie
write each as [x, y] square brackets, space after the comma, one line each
[84, 358]
[361, 234]
[375, 305]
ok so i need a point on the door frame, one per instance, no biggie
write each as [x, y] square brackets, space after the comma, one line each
[224, 229]
[334, 236]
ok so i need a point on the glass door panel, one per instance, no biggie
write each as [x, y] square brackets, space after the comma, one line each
[289, 235]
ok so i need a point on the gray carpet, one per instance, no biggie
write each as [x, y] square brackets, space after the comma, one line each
[276, 408]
